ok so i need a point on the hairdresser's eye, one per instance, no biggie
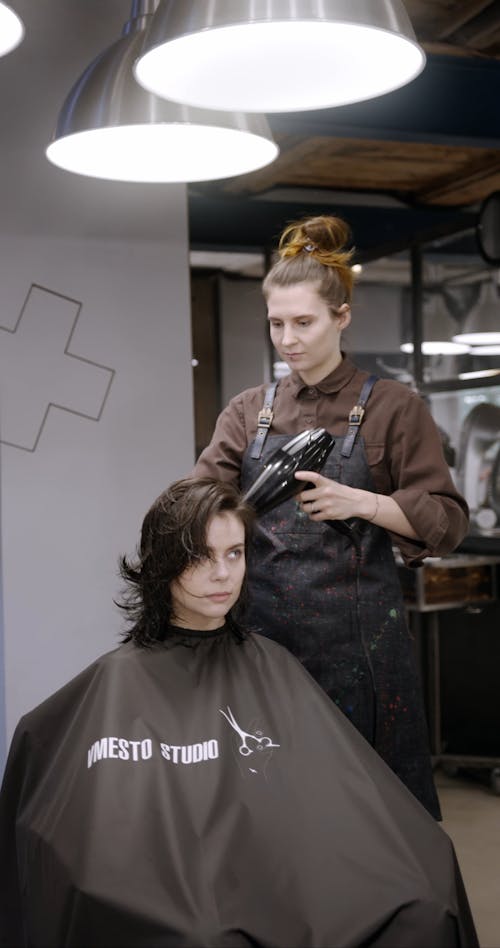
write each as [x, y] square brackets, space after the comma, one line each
[275, 324]
[304, 322]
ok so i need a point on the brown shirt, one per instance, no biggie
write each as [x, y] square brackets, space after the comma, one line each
[403, 447]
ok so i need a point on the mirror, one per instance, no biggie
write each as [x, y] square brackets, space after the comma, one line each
[488, 228]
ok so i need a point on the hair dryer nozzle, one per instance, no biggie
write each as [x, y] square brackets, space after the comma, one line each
[307, 451]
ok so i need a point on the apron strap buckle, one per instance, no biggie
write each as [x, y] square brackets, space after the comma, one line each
[265, 418]
[356, 415]
[264, 422]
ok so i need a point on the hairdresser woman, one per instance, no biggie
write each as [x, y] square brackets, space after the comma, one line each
[333, 598]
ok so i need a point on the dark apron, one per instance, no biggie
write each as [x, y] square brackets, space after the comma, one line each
[339, 609]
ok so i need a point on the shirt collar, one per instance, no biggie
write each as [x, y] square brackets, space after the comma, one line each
[331, 383]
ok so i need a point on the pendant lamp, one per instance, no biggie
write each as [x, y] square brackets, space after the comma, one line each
[11, 29]
[482, 326]
[438, 328]
[485, 350]
[278, 55]
[109, 127]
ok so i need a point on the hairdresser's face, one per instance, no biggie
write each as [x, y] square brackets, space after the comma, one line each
[304, 330]
[205, 592]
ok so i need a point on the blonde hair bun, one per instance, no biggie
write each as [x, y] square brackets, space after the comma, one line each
[325, 238]
[318, 251]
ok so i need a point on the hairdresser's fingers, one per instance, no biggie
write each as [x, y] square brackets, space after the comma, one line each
[312, 476]
[314, 483]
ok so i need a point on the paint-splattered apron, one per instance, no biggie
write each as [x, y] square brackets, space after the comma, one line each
[341, 613]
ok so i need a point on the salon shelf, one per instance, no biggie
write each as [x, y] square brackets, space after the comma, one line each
[454, 614]
[449, 582]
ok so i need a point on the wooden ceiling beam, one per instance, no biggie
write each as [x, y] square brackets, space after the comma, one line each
[479, 31]
[460, 17]
[425, 171]
[479, 179]
[445, 48]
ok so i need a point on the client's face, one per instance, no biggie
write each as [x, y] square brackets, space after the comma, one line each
[205, 592]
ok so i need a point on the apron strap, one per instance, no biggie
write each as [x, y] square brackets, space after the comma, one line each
[264, 421]
[356, 416]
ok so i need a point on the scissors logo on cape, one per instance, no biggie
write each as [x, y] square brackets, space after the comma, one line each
[261, 742]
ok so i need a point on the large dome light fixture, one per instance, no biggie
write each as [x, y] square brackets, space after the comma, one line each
[109, 127]
[11, 29]
[278, 55]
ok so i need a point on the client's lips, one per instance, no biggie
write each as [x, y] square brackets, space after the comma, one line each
[219, 597]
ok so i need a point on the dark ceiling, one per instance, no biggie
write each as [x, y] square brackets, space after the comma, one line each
[409, 167]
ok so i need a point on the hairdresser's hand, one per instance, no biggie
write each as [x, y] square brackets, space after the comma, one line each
[329, 500]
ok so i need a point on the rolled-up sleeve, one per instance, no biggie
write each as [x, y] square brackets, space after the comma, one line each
[424, 486]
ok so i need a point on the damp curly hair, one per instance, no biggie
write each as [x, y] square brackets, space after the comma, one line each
[315, 250]
[173, 537]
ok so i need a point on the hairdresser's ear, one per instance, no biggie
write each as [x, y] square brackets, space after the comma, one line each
[344, 314]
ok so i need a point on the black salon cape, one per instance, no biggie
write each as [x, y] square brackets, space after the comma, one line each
[211, 794]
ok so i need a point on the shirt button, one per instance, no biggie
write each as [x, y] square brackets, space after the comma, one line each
[311, 391]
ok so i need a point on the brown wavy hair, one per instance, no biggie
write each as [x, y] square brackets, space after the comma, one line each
[173, 537]
[315, 250]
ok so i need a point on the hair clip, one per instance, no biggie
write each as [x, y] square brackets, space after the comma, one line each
[309, 248]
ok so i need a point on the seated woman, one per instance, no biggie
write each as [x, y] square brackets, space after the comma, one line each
[196, 787]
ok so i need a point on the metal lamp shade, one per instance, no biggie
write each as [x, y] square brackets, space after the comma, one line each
[482, 326]
[109, 127]
[439, 327]
[278, 55]
[11, 29]
[492, 350]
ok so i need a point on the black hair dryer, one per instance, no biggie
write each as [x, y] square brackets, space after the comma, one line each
[307, 451]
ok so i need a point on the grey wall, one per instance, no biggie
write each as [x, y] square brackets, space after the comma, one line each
[376, 319]
[77, 479]
[245, 357]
